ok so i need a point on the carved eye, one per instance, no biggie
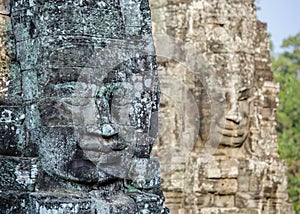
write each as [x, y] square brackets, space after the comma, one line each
[80, 97]
[77, 101]
[244, 94]
[75, 94]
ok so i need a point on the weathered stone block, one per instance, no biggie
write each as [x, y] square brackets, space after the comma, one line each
[32, 118]
[10, 84]
[60, 203]
[229, 168]
[144, 173]
[224, 201]
[213, 170]
[132, 13]
[54, 143]
[32, 130]
[58, 75]
[12, 134]
[117, 204]
[199, 200]
[5, 7]
[7, 44]
[12, 139]
[214, 210]
[28, 52]
[14, 202]
[47, 182]
[176, 180]
[250, 211]
[226, 186]
[18, 173]
[246, 199]
[58, 19]
[22, 5]
[255, 183]
[243, 182]
[105, 23]
[5, 23]
[220, 186]
[149, 203]
[30, 85]
[174, 198]
[24, 25]
[12, 114]
[77, 18]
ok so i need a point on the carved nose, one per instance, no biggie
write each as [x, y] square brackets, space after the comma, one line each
[105, 130]
[236, 118]
[108, 130]
[234, 115]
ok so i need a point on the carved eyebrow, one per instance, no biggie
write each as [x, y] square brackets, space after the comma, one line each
[244, 93]
[75, 89]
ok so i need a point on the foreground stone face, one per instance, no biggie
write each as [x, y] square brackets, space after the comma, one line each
[79, 100]
[217, 145]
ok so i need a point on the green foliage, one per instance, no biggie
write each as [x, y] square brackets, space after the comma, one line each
[292, 42]
[288, 116]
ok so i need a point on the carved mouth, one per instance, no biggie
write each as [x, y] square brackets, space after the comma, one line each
[232, 135]
[237, 133]
[110, 157]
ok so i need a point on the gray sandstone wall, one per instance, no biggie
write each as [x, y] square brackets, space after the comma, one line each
[79, 96]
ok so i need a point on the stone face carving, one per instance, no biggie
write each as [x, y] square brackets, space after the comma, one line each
[234, 127]
[110, 122]
[84, 105]
[233, 165]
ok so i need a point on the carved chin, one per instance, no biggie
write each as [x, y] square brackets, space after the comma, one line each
[232, 138]
[111, 161]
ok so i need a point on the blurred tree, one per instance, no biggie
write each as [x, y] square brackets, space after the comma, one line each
[285, 68]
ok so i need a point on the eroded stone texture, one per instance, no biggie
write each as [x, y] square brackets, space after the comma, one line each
[218, 55]
[79, 105]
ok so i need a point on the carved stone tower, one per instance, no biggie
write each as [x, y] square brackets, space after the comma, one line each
[218, 55]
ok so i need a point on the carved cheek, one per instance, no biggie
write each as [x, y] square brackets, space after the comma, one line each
[244, 108]
[89, 113]
[121, 111]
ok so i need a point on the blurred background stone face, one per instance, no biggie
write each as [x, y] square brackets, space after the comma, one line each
[79, 101]
[229, 163]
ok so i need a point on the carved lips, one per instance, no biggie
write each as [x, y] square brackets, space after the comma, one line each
[232, 134]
